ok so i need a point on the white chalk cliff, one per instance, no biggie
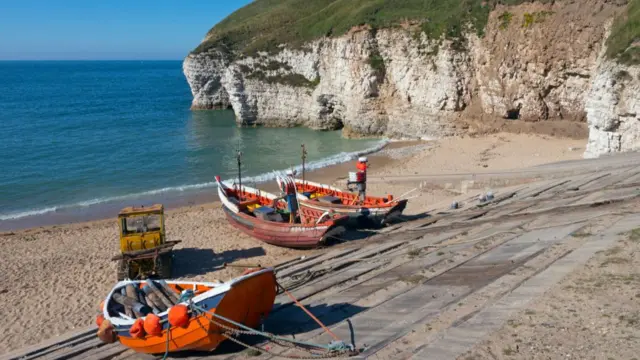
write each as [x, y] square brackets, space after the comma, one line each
[613, 110]
[395, 82]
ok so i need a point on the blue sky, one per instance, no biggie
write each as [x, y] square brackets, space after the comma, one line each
[106, 29]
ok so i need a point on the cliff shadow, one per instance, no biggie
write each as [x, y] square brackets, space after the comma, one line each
[194, 261]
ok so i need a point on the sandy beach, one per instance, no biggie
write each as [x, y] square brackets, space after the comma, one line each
[54, 277]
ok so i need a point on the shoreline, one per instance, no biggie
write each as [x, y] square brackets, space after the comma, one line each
[178, 199]
[384, 160]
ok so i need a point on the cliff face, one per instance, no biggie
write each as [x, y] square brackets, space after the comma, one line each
[536, 63]
[613, 110]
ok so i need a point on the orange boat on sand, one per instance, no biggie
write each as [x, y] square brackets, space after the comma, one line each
[190, 323]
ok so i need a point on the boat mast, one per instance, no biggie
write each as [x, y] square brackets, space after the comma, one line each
[239, 157]
[304, 157]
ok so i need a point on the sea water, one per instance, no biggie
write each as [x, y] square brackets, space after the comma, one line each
[77, 136]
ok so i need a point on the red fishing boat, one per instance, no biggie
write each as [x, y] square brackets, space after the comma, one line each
[278, 220]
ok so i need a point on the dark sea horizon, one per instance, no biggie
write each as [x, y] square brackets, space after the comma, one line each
[82, 138]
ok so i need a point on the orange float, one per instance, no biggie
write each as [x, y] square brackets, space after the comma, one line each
[179, 316]
[137, 330]
[152, 325]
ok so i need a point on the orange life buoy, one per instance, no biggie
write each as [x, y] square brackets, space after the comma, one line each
[152, 325]
[179, 316]
[137, 330]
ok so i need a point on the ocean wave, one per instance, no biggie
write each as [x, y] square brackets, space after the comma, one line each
[262, 178]
[18, 215]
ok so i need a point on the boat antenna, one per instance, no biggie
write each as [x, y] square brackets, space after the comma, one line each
[304, 157]
[239, 157]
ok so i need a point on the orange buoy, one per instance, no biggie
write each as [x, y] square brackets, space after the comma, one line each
[99, 320]
[152, 325]
[106, 333]
[179, 316]
[137, 329]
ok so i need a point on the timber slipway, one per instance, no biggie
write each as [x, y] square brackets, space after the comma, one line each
[501, 254]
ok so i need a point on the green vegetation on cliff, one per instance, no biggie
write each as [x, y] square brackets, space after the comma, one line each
[624, 42]
[264, 24]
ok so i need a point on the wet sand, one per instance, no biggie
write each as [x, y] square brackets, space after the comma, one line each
[55, 276]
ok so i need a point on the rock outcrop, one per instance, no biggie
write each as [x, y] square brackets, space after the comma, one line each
[536, 62]
[613, 110]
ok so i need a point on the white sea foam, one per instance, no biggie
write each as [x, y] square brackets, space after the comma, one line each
[328, 161]
[18, 215]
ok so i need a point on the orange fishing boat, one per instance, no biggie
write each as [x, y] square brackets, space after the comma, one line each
[194, 319]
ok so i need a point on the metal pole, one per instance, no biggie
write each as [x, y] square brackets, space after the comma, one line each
[304, 156]
[239, 175]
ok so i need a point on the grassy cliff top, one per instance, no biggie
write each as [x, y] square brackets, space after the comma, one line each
[624, 41]
[264, 24]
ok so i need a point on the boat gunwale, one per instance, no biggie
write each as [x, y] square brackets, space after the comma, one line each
[224, 198]
[216, 289]
[381, 208]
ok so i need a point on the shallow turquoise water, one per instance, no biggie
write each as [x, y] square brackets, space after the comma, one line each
[81, 134]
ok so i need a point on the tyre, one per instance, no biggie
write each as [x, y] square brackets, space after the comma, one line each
[164, 265]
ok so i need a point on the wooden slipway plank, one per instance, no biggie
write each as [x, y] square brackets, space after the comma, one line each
[47, 344]
[419, 303]
[616, 178]
[325, 282]
[538, 188]
[62, 347]
[72, 351]
[350, 295]
[339, 306]
[313, 262]
[336, 261]
[132, 355]
[366, 285]
[361, 253]
[464, 336]
[578, 182]
[634, 179]
[105, 352]
[609, 195]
